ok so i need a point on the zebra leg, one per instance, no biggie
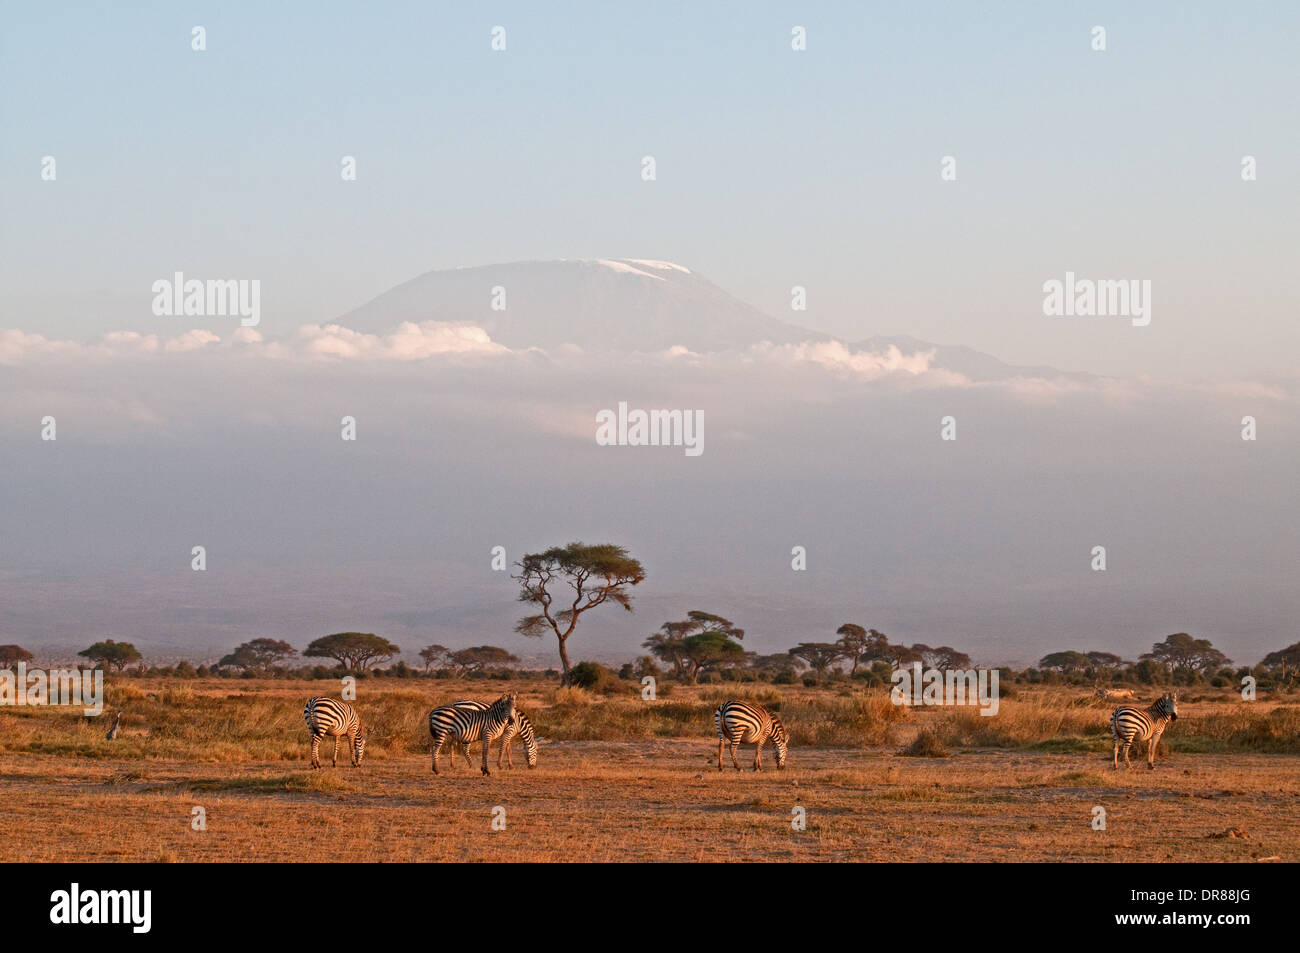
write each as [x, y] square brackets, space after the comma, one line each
[1115, 756]
[437, 746]
[1128, 765]
[315, 751]
[734, 746]
[1151, 751]
[486, 745]
[758, 755]
[720, 743]
[464, 749]
[335, 763]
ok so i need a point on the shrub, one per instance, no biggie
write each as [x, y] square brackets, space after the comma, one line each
[590, 675]
[926, 745]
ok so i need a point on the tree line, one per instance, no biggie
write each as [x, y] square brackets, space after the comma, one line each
[562, 584]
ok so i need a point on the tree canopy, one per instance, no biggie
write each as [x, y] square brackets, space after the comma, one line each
[1181, 651]
[258, 654]
[116, 655]
[11, 655]
[698, 643]
[356, 651]
[481, 657]
[435, 655]
[819, 656]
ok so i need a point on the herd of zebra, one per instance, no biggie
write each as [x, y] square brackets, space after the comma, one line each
[467, 721]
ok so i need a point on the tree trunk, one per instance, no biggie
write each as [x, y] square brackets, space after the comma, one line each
[564, 662]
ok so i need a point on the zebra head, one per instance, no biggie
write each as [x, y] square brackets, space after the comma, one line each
[359, 746]
[1168, 705]
[504, 707]
[530, 741]
[781, 738]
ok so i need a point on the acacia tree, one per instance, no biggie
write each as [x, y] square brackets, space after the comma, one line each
[944, 657]
[855, 640]
[699, 642]
[116, 655]
[1181, 651]
[1065, 662]
[592, 575]
[819, 656]
[479, 658]
[258, 654]
[11, 655]
[435, 655]
[356, 651]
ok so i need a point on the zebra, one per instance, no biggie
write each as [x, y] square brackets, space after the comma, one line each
[739, 722]
[1128, 724]
[325, 716]
[519, 725]
[464, 725]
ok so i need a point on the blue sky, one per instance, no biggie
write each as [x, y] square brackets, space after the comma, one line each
[775, 168]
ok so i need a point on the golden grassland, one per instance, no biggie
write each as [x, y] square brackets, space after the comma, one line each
[624, 779]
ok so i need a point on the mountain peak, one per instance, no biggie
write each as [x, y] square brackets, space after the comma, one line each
[598, 304]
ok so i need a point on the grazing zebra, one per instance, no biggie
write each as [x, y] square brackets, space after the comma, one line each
[740, 722]
[466, 726]
[1129, 723]
[519, 725]
[325, 716]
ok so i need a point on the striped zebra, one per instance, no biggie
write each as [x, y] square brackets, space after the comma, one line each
[466, 726]
[519, 725]
[325, 716]
[1129, 723]
[740, 722]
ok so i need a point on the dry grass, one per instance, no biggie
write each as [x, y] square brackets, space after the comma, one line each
[622, 779]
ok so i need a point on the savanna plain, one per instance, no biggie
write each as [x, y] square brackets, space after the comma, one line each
[624, 779]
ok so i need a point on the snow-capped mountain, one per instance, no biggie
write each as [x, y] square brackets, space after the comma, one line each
[624, 305]
[597, 304]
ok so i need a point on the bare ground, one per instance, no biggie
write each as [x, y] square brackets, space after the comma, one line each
[658, 800]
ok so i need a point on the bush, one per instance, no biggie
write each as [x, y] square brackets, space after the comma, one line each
[926, 745]
[590, 675]
[810, 681]
[784, 677]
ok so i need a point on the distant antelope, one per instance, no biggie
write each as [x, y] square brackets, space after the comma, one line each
[326, 716]
[1115, 693]
[739, 722]
[1129, 723]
